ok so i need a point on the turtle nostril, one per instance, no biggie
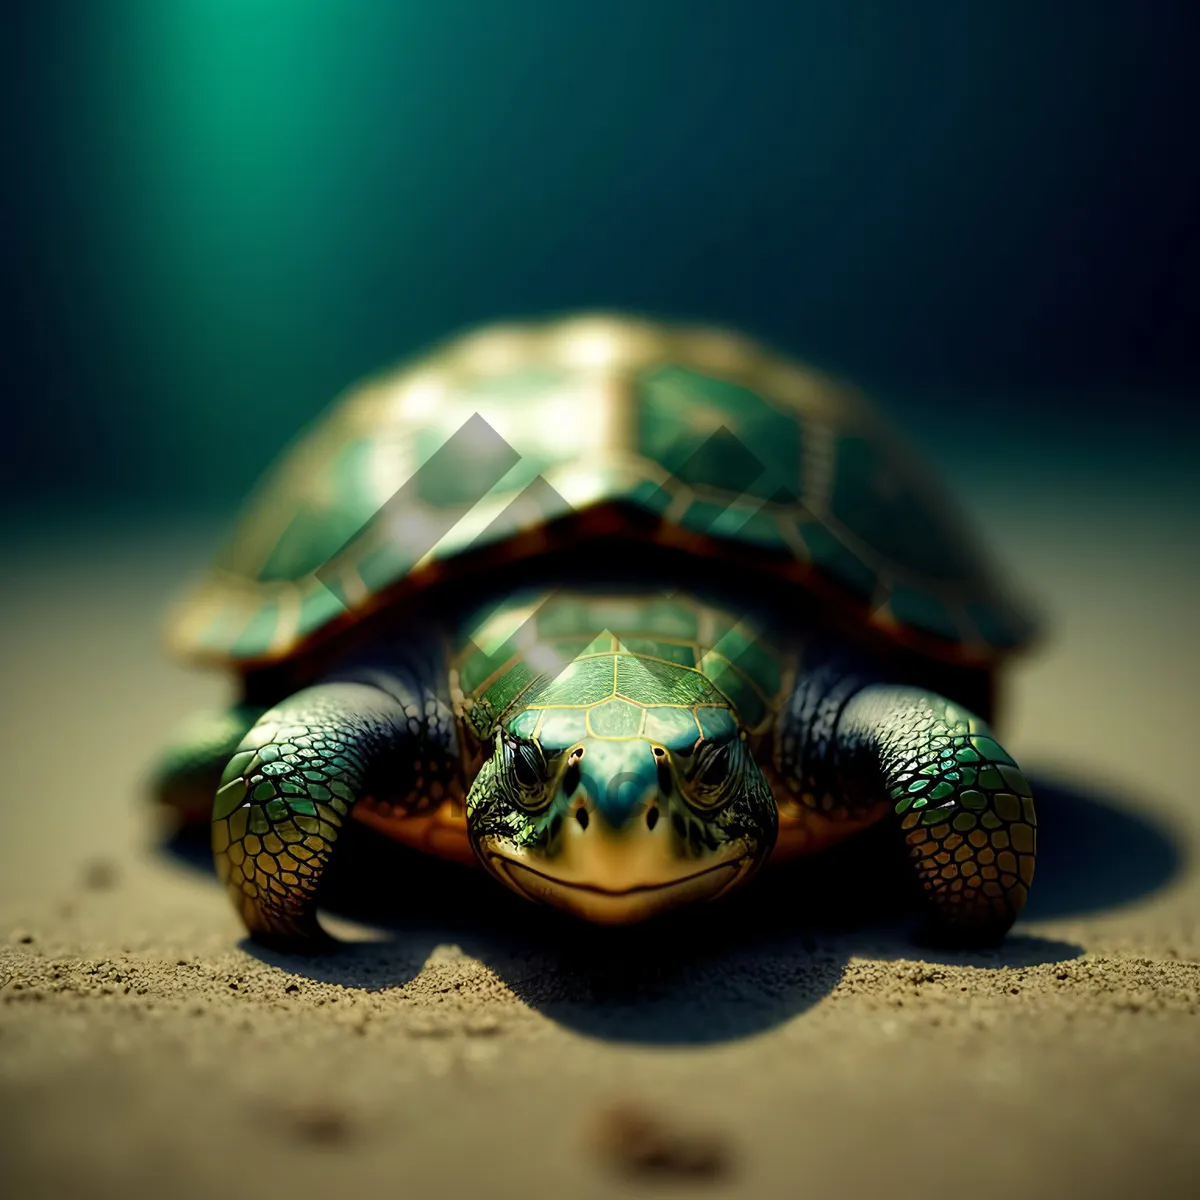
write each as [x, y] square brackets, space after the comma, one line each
[651, 818]
[570, 780]
[581, 815]
[665, 782]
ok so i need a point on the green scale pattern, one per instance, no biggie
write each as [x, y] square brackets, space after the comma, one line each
[966, 810]
[287, 793]
[625, 669]
[281, 804]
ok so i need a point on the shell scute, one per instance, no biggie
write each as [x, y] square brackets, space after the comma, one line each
[710, 433]
[520, 439]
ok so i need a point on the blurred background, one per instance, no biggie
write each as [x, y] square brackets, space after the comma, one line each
[221, 212]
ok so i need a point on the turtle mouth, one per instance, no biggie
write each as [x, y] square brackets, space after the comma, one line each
[619, 905]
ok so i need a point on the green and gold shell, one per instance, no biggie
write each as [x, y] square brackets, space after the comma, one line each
[513, 440]
[574, 665]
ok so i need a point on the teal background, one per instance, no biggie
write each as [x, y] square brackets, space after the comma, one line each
[220, 213]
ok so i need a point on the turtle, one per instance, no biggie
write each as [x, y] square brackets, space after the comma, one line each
[620, 609]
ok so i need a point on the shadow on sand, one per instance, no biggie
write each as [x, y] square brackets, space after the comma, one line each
[706, 975]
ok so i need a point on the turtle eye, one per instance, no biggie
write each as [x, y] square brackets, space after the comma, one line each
[527, 764]
[712, 780]
[715, 769]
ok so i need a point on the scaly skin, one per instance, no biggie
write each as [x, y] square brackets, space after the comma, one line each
[288, 792]
[963, 806]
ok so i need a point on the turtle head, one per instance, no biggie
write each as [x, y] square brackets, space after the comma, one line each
[618, 828]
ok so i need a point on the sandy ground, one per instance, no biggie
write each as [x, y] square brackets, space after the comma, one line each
[473, 1046]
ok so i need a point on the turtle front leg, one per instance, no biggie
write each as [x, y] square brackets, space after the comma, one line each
[288, 791]
[964, 807]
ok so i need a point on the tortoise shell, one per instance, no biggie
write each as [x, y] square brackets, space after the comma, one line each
[700, 665]
[512, 441]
